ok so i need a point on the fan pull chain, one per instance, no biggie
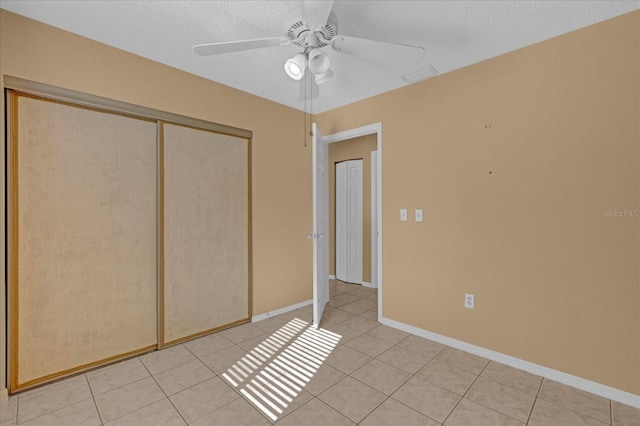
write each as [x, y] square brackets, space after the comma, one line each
[309, 95]
[304, 116]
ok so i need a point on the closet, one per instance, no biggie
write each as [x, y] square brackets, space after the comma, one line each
[129, 230]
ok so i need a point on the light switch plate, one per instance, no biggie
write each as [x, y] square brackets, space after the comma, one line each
[418, 215]
[403, 215]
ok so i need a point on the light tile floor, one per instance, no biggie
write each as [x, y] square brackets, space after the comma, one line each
[282, 371]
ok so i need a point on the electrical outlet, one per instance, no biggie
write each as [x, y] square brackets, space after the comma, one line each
[469, 300]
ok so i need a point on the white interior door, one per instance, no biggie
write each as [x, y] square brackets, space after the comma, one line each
[341, 221]
[320, 225]
[349, 221]
[354, 221]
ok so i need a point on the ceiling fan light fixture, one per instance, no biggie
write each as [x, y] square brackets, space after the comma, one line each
[295, 66]
[318, 61]
[324, 77]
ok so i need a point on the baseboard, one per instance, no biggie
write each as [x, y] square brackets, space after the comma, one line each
[279, 311]
[362, 283]
[539, 370]
[4, 395]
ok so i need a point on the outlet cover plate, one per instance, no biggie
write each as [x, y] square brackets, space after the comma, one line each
[469, 301]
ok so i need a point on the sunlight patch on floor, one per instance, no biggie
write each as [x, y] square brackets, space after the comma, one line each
[275, 371]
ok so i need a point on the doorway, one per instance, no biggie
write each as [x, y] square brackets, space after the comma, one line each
[375, 244]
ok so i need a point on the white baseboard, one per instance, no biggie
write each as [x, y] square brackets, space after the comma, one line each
[362, 283]
[279, 311]
[4, 395]
[539, 370]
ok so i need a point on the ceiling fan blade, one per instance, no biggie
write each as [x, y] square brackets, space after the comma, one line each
[316, 12]
[379, 51]
[237, 46]
[309, 89]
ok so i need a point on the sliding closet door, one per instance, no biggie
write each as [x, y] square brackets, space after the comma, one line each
[206, 283]
[83, 238]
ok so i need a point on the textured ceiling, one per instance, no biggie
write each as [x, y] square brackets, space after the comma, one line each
[454, 34]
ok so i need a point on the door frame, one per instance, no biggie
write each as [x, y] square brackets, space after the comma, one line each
[370, 129]
[374, 218]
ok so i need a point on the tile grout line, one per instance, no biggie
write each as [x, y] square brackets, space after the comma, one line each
[498, 411]
[470, 386]
[350, 374]
[466, 392]
[57, 409]
[412, 375]
[204, 363]
[216, 375]
[163, 349]
[359, 381]
[535, 401]
[366, 384]
[413, 409]
[511, 388]
[536, 398]
[387, 397]
[313, 396]
[266, 363]
[375, 408]
[163, 392]
[293, 411]
[572, 410]
[93, 397]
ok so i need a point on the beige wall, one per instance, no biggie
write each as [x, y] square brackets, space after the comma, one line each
[352, 149]
[281, 183]
[513, 161]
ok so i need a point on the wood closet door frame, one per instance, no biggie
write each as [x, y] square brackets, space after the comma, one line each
[14, 241]
[162, 338]
[35, 89]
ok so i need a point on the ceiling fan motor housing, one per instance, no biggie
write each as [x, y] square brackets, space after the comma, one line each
[298, 30]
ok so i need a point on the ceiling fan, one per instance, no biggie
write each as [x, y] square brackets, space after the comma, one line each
[312, 27]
